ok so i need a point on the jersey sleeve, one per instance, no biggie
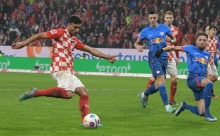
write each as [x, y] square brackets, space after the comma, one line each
[55, 33]
[142, 35]
[187, 48]
[79, 44]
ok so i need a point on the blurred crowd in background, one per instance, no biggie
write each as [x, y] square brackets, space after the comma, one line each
[106, 23]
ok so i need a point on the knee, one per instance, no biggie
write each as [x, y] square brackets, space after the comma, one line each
[69, 94]
[81, 91]
[160, 79]
[174, 79]
[215, 78]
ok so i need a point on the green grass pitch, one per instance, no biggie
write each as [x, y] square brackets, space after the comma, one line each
[113, 99]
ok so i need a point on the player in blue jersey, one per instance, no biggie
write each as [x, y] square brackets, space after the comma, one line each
[155, 34]
[197, 81]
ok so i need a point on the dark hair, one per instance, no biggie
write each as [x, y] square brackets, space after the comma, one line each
[212, 27]
[201, 33]
[152, 12]
[75, 19]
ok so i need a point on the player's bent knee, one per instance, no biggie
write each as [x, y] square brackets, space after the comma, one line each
[81, 91]
[69, 94]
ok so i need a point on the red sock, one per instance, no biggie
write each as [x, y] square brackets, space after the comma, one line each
[84, 105]
[173, 88]
[56, 92]
[150, 83]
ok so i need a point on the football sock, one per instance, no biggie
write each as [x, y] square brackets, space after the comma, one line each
[173, 87]
[150, 83]
[193, 109]
[207, 96]
[150, 90]
[163, 94]
[56, 92]
[84, 105]
[177, 54]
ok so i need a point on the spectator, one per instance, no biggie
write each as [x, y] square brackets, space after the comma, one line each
[185, 41]
[6, 41]
[14, 32]
[83, 56]
[22, 6]
[106, 16]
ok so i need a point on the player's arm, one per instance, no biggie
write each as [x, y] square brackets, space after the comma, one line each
[33, 38]
[98, 53]
[173, 39]
[166, 49]
[178, 48]
[217, 52]
[169, 33]
[138, 46]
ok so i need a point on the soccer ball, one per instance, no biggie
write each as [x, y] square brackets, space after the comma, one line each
[91, 121]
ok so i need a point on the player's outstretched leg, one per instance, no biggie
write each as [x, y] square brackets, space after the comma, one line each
[56, 92]
[28, 95]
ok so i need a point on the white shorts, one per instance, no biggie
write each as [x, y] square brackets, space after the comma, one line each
[171, 68]
[212, 70]
[67, 80]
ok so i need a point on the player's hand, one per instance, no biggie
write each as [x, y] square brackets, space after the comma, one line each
[17, 45]
[139, 48]
[173, 41]
[158, 53]
[112, 58]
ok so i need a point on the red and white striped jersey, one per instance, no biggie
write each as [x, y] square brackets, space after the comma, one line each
[175, 33]
[63, 46]
[211, 47]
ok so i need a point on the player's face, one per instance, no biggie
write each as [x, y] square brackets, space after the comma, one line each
[212, 32]
[207, 30]
[168, 19]
[153, 19]
[73, 29]
[201, 42]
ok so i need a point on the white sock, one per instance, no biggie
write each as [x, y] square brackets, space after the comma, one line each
[167, 107]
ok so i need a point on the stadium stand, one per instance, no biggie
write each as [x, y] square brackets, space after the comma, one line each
[106, 23]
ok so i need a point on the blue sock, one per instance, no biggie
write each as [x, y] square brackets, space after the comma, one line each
[193, 109]
[207, 97]
[163, 94]
[151, 90]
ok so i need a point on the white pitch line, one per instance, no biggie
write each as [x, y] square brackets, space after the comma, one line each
[105, 89]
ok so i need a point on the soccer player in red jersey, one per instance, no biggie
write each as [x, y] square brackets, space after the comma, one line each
[212, 48]
[172, 61]
[64, 42]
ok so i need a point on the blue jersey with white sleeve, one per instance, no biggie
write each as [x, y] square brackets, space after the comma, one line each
[197, 60]
[156, 38]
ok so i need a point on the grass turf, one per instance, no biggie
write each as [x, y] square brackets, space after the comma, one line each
[113, 99]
